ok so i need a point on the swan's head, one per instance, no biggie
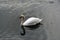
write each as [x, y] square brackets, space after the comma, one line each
[22, 18]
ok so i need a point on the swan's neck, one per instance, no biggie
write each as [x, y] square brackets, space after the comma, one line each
[22, 27]
[22, 22]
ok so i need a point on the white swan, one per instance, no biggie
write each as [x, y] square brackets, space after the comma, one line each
[30, 22]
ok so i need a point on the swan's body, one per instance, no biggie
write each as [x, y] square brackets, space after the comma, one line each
[31, 22]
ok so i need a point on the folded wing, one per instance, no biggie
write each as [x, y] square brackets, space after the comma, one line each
[32, 21]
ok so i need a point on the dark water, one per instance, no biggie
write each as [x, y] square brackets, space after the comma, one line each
[10, 10]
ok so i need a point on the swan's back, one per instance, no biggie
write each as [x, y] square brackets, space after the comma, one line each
[32, 21]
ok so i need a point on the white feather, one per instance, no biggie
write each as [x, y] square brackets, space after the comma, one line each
[32, 21]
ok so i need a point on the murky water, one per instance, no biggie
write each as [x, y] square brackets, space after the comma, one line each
[10, 10]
